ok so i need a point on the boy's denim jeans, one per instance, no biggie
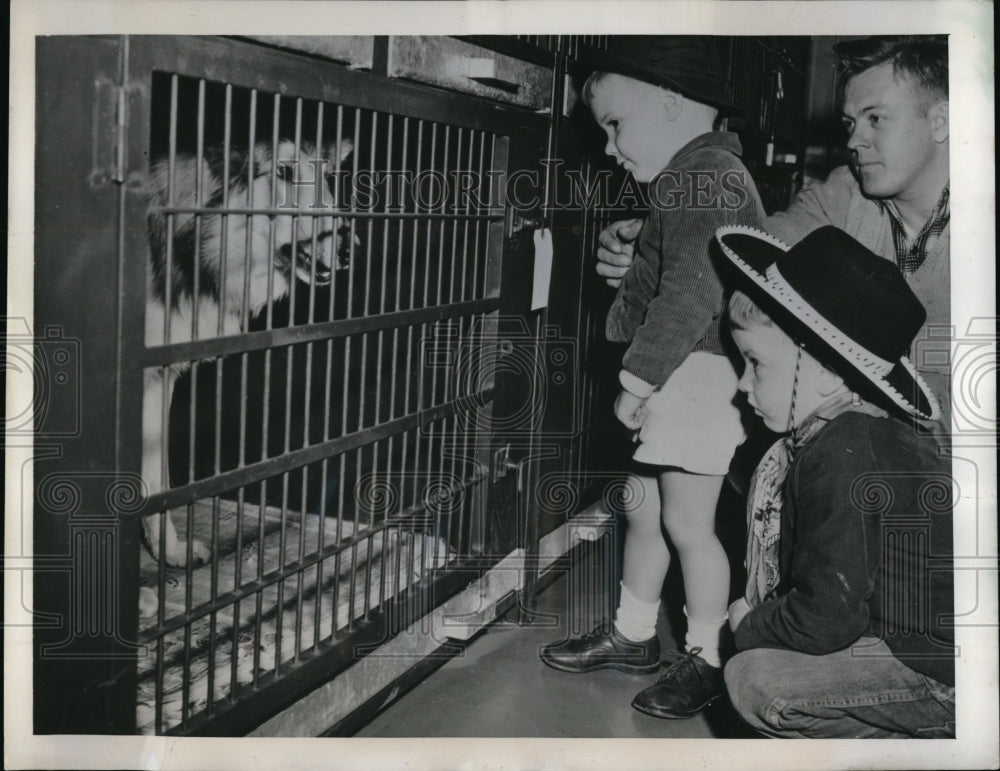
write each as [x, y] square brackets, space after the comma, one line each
[860, 692]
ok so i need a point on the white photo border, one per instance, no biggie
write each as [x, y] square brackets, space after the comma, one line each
[970, 27]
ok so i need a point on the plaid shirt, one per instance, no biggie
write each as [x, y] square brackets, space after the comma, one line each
[910, 256]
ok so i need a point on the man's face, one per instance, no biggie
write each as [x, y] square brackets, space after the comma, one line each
[890, 132]
[633, 115]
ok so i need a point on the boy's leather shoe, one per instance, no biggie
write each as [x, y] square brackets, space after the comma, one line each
[688, 686]
[603, 651]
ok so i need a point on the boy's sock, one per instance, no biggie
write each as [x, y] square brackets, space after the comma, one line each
[705, 635]
[635, 619]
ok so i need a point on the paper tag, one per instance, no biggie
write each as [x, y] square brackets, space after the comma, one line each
[473, 67]
[543, 269]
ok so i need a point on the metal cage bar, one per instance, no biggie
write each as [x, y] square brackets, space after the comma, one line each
[300, 559]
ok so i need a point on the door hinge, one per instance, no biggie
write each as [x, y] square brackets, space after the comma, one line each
[109, 134]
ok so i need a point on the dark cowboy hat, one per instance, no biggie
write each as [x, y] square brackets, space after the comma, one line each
[830, 292]
[688, 64]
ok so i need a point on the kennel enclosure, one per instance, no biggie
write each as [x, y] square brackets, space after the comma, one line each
[367, 457]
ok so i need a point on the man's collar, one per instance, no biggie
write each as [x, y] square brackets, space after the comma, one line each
[888, 205]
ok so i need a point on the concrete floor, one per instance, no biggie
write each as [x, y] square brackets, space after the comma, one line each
[498, 687]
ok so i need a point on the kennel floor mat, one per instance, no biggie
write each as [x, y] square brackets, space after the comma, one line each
[281, 619]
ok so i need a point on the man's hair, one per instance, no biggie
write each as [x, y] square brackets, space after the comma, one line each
[923, 58]
[744, 313]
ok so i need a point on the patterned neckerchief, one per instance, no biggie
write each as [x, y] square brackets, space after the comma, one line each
[765, 498]
[910, 256]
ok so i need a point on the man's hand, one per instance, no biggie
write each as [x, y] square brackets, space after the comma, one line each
[614, 255]
[737, 610]
[630, 410]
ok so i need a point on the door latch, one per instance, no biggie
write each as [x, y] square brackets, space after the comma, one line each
[523, 221]
[502, 464]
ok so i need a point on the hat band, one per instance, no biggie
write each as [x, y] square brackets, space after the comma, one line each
[832, 334]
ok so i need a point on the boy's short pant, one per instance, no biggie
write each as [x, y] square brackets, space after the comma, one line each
[692, 421]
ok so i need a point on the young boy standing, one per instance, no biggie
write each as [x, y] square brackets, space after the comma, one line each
[844, 631]
[658, 102]
[893, 198]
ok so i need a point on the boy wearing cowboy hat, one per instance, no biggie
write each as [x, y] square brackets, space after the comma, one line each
[843, 630]
[657, 99]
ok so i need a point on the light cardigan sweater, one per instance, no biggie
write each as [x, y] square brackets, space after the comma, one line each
[839, 201]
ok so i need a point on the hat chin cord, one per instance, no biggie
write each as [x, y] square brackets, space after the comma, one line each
[856, 400]
[795, 389]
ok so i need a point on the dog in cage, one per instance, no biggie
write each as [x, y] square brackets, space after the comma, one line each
[210, 270]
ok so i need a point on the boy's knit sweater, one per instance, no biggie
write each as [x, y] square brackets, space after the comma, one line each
[670, 301]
